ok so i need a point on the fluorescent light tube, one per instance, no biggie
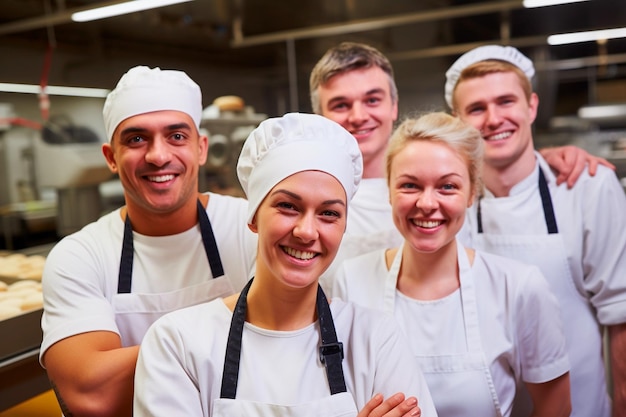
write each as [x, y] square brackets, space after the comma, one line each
[54, 90]
[121, 8]
[542, 3]
[594, 35]
[603, 111]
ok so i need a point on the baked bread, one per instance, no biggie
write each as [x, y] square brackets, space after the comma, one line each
[229, 103]
[7, 311]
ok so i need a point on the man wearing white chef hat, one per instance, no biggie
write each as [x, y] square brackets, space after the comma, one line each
[576, 236]
[169, 247]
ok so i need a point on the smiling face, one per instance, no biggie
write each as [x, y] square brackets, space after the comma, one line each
[497, 105]
[157, 156]
[300, 224]
[430, 190]
[360, 100]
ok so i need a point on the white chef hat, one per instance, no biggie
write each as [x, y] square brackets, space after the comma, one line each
[144, 90]
[484, 53]
[282, 146]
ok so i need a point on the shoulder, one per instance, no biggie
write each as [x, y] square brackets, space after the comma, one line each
[370, 261]
[504, 272]
[360, 321]
[222, 206]
[103, 233]
[223, 199]
[204, 318]
[362, 272]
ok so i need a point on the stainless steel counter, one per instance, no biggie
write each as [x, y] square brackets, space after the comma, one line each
[21, 376]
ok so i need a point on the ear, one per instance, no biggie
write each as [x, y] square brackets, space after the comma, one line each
[395, 111]
[109, 156]
[533, 105]
[203, 149]
[253, 226]
[471, 199]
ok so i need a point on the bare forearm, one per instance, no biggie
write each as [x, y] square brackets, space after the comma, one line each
[617, 340]
[100, 385]
[552, 398]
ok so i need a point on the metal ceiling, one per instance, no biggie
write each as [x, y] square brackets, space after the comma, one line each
[285, 37]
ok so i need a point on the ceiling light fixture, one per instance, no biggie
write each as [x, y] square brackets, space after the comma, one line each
[593, 35]
[121, 8]
[54, 90]
[529, 4]
[602, 111]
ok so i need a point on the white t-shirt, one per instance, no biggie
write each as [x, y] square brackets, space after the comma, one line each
[181, 361]
[519, 320]
[80, 277]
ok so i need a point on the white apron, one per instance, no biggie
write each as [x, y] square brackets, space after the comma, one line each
[582, 331]
[460, 384]
[134, 313]
[339, 404]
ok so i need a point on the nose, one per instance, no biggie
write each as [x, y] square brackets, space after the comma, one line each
[306, 228]
[358, 114]
[427, 201]
[158, 152]
[493, 118]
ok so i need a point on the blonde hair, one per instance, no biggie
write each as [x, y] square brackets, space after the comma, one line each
[345, 57]
[441, 127]
[491, 66]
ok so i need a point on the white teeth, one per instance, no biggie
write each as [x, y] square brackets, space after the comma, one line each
[500, 136]
[428, 224]
[161, 178]
[299, 254]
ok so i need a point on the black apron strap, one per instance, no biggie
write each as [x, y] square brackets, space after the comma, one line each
[124, 279]
[124, 282]
[479, 217]
[546, 202]
[331, 350]
[210, 245]
[230, 376]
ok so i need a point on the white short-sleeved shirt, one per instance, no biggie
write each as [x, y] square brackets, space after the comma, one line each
[80, 277]
[519, 319]
[181, 360]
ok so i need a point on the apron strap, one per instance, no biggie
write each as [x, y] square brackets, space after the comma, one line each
[126, 262]
[125, 279]
[210, 245]
[230, 376]
[546, 202]
[331, 350]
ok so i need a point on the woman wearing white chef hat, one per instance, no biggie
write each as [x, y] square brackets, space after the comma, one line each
[480, 325]
[279, 348]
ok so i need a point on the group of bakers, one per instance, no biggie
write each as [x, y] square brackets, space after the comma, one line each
[442, 268]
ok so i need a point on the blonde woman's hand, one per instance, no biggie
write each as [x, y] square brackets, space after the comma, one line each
[395, 406]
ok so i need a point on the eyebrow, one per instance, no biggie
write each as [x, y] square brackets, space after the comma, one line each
[415, 178]
[376, 90]
[297, 197]
[175, 126]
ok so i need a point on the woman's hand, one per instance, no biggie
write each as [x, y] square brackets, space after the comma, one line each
[394, 406]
